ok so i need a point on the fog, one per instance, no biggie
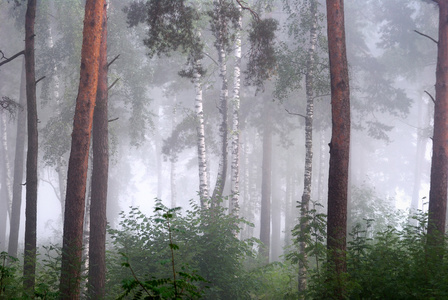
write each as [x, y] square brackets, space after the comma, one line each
[152, 129]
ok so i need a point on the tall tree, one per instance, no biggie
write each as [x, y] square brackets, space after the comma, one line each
[439, 163]
[29, 265]
[340, 142]
[308, 178]
[18, 170]
[235, 166]
[266, 184]
[98, 201]
[78, 162]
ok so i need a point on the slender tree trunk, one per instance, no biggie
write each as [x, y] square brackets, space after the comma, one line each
[307, 182]
[19, 161]
[5, 199]
[276, 211]
[173, 186]
[29, 265]
[98, 220]
[265, 217]
[223, 128]
[340, 143]
[200, 129]
[439, 163]
[235, 167]
[78, 162]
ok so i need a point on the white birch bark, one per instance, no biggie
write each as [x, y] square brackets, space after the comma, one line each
[306, 196]
[235, 166]
[202, 153]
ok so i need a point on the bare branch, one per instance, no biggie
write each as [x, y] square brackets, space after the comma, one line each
[427, 36]
[40, 79]
[112, 61]
[432, 98]
[113, 83]
[295, 114]
[206, 54]
[12, 57]
[254, 14]
[111, 120]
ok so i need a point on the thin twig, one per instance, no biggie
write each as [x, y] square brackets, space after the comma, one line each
[113, 83]
[39, 79]
[111, 120]
[206, 54]
[432, 98]
[112, 61]
[254, 14]
[295, 114]
[425, 35]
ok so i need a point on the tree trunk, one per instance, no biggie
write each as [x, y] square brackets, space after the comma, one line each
[276, 211]
[265, 217]
[307, 182]
[29, 265]
[200, 129]
[5, 195]
[19, 160]
[79, 153]
[340, 143]
[235, 167]
[439, 163]
[222, 168]
[98, 220]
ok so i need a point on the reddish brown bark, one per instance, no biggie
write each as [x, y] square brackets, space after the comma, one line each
[439, 163]
[98, 202]
[29, 265]
[78, 162]
[340, 140]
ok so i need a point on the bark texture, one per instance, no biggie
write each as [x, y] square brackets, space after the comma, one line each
[29, 265]
[307, 184]
[78, 162]
[19, 162]
[100, 171]
[200, 130]
[235, 166]
[439, 163]
[340, 142]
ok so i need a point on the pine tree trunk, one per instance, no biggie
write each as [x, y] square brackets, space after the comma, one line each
[200, 129]
[78, 162]
[29, 265]
[339, 145]
[265, 217]
[235, 167]
[19, 162]
[439, 163]
[276, 210]
[100, 171]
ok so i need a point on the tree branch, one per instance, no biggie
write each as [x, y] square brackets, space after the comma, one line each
[432, 98]
[113, 83]
[10, 59]
[40, 79]
[112, 61]
[295, 114]
[425, 35]
[254, 14]
[111, 120]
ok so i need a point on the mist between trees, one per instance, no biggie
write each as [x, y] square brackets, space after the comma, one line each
[223, 149]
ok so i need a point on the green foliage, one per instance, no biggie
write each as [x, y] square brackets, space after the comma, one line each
[262, 57]
[8, 278]
[199, 242]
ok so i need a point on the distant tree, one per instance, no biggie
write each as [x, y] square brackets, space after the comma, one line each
[439, 163]
[29, 265]
[78, 162]
[98, 201]
[339, 145]
[19, 160]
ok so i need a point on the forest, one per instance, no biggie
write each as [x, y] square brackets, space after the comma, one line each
[223, 149]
